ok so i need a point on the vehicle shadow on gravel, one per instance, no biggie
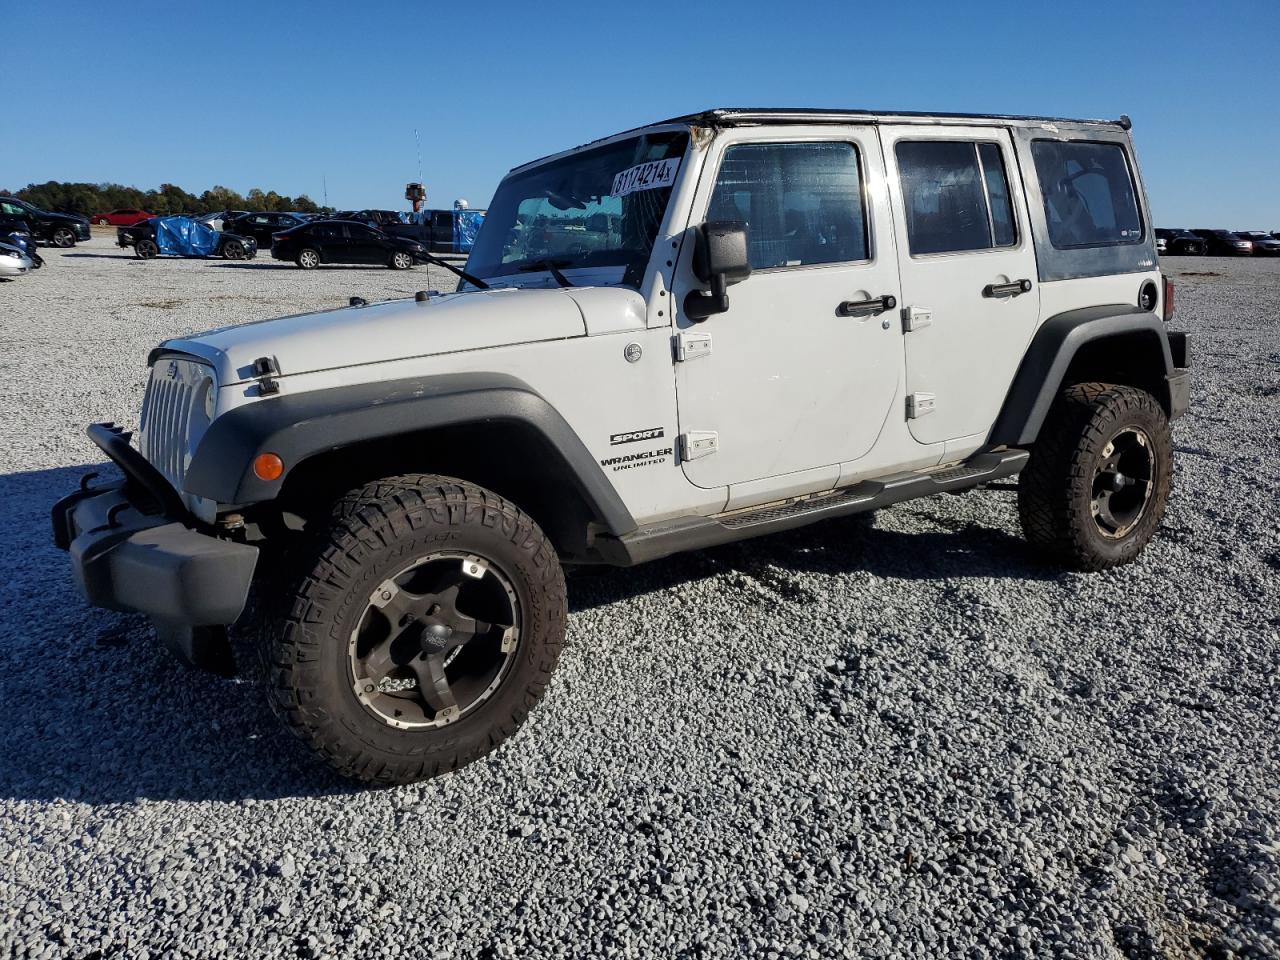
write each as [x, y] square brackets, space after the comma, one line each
[96, 711]
[833, 547]
[286, 265]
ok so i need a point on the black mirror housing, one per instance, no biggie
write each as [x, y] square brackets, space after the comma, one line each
[720, 258]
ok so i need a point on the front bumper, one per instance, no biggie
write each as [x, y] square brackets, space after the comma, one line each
[133, 548]
[82, 231]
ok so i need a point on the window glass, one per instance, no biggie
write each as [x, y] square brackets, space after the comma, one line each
[942, 191]
[802, 202]
[1003, 227]
[1089, 197]
[553, 211]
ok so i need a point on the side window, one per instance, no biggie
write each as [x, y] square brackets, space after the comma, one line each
[956, 195]
[1004, 231]
[1089, 197]
[12, 209]
[802, 202]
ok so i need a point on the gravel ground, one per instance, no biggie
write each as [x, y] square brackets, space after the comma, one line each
[902, 736]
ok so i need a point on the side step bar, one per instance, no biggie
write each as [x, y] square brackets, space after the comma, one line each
[695, 533]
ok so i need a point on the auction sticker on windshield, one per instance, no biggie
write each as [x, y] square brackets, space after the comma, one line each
[646, 176]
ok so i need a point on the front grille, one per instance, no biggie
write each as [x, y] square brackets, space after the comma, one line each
[173, 415]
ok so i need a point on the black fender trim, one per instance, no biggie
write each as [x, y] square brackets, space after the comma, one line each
[1055, 344]
[298, 426]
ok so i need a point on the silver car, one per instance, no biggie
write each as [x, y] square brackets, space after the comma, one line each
[13, 262]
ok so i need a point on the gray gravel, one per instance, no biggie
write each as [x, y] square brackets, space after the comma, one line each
[902, 736]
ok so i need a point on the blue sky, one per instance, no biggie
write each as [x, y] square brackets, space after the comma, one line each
[286, 96]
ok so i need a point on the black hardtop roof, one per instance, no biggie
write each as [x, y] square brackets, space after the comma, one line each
[751, 116]
[743, 116]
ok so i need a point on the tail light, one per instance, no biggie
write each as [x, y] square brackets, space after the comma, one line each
[1167, 312]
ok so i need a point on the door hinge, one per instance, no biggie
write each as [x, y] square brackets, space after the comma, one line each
[920, 404]
[691, 346]
[698, 443]
[916, 318]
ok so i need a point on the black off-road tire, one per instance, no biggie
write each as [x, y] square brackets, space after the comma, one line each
[375, 531]
[1056, 490]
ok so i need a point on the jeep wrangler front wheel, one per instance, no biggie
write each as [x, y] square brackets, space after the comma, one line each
[1096, 486]
[423, 632]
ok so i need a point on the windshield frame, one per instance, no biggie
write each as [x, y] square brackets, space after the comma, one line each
[633, 275]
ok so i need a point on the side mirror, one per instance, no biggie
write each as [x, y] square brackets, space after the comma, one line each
[719, 259]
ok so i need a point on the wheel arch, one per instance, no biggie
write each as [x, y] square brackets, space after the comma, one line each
[489, 429]
[1116, 343]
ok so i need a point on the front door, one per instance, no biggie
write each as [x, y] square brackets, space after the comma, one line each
[970, 292]
[802, 370]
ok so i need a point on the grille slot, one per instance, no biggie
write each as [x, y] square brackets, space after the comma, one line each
[174, 388]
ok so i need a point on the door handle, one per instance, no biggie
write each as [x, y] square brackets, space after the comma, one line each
[868, 308]
[1010, 289]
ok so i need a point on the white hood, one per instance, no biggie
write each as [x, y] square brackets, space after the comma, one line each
[396, 330]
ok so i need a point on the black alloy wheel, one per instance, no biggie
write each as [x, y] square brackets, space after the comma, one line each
[435, 640]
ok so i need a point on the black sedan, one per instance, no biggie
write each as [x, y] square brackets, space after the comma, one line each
[262, 226]
[58, 229]
[1264, 244]
[1224, 243]
[1179, 242]
[344, 241]
[184, 237]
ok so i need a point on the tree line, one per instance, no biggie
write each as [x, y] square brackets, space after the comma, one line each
[94, 198]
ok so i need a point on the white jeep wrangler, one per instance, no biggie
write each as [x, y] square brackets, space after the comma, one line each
[920, 303]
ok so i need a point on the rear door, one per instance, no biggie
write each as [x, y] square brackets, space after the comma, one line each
[970, 291]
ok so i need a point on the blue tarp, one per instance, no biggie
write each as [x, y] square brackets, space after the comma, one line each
[183, 237]
[466, 224]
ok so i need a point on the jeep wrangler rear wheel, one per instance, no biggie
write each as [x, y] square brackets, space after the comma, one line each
[423, 632]
[1099, 477]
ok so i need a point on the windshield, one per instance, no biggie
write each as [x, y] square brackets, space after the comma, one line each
[597, 209]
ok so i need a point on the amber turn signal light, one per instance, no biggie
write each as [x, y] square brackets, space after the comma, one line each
[268, 466]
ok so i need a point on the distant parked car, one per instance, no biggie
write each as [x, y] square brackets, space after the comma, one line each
[218, 219]
[1264, 244]
[13, 261]
[19, 236]
[1179, 242]
[345, 241]
[376, 218]
[58, 229]
[1224, 243]
[261, 226]
[184, 237]
[122, 218]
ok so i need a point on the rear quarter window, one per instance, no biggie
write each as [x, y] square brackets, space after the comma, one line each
[1088, 194]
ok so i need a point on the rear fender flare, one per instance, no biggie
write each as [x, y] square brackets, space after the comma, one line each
[1044, 367]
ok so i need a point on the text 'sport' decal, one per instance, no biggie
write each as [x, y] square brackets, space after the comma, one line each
[632, 436]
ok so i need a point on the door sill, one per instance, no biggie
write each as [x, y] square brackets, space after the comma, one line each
[695, 533]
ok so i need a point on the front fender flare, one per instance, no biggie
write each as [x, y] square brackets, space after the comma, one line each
[299, 426]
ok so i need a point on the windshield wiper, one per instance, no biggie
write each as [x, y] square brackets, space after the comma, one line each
[551, 266]
[474, 281]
